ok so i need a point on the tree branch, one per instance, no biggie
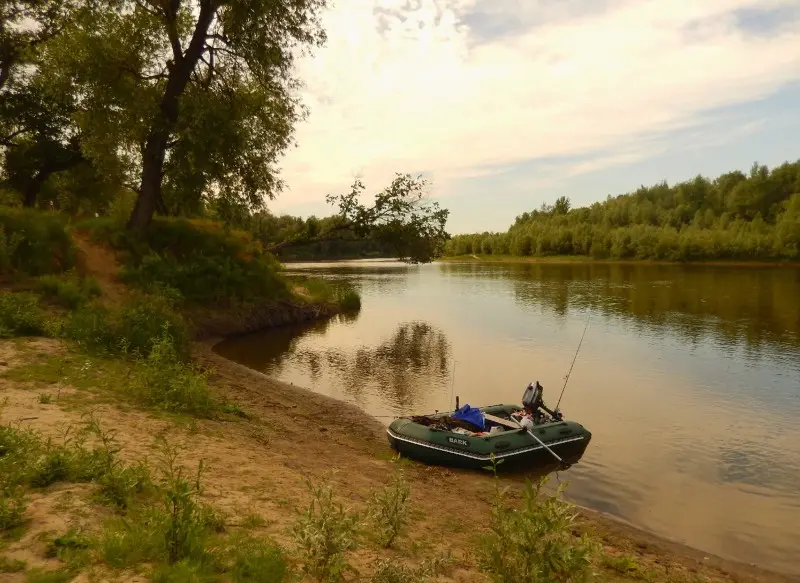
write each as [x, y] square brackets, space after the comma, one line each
[326, 236]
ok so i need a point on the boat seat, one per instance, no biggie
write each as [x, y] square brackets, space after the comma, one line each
[500, 421]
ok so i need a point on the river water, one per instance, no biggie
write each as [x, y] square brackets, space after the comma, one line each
[688, 378]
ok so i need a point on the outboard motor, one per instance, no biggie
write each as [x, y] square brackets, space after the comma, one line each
[532, 397]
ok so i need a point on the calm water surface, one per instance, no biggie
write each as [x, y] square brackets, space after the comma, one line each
[688, 377]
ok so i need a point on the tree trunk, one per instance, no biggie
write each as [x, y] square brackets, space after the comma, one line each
[161, 128]
[32, 190]
[152, 168]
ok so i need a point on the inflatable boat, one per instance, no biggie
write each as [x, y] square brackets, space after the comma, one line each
[526, 437]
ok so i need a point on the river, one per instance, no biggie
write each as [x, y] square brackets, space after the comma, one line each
[688, 378]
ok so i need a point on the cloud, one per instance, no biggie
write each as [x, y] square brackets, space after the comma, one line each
[456, 88]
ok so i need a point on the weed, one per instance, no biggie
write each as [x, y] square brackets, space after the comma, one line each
[134, 328]
[43, 576]
[70, 292]
[323, 533]
[11, 565]
[71, 548]
[253, 521]
[137, 537]
[388, 509]
[184, 532]
[45, 398]
[162, 380]
[234, 409]
[183, 572]
[349, 300]
[118, 482]
[387, 571]
[258, 561]
[34, 242]
[535, 543]
[12, 509]
[21, 315]
[623, 565]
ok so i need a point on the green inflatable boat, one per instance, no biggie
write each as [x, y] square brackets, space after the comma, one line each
[529, 437]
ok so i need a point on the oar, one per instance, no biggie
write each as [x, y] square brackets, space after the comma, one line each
[544, 445]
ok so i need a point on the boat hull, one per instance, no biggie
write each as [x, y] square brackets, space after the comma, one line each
[513, 449]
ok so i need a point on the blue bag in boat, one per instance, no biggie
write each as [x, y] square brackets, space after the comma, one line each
[471, 415]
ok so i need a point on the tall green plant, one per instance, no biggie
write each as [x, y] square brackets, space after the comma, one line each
[535, 543]
[324, 533]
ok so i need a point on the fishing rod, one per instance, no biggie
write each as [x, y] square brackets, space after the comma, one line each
[453, 385]
[569, 372]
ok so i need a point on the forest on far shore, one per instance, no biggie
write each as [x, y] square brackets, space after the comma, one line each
[732, 217]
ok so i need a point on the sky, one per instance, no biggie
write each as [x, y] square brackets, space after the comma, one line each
[505, 104]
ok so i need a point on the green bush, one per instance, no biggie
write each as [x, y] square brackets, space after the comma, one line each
[21, 315]
[34, 242]
[323, 533]
[349, 300]
[132, 328]
[258, 561]
[388, 510]
[387, 571]
[535, 543]
[12, 509]
[11, 565]
[204, 262]
[71, 292]
[160, 379]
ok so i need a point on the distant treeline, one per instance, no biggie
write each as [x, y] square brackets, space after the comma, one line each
[314, 239]
[735, 216]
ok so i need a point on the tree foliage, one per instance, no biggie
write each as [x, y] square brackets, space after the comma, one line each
[402, 220]
[186, 100]
[734, 216]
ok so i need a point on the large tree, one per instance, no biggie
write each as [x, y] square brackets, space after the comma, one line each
[187, 99]
[36, 136]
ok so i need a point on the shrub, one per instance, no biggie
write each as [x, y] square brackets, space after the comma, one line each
[34, 242]
[349, 300]
[69, 292]
[204, 262]
[323, 533]
[12, 509]
[388, 509]
[21, 315]
[258, 561]
[535, 543]
[133, 328]
[387, 571]
[11, 565]
[163, 381]
[174, 530]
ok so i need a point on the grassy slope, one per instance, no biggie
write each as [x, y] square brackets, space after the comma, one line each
[256, 464]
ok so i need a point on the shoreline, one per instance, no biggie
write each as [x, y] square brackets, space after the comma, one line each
[586, 260]
[610, 527]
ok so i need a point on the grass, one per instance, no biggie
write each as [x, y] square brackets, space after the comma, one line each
[131, 328]
[68, 291]
[45, 399]
[12, 565]
[21, 315]
[205, 263]
[326, 291]
[34, 242]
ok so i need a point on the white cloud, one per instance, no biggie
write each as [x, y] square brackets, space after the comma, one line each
[405, 86]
